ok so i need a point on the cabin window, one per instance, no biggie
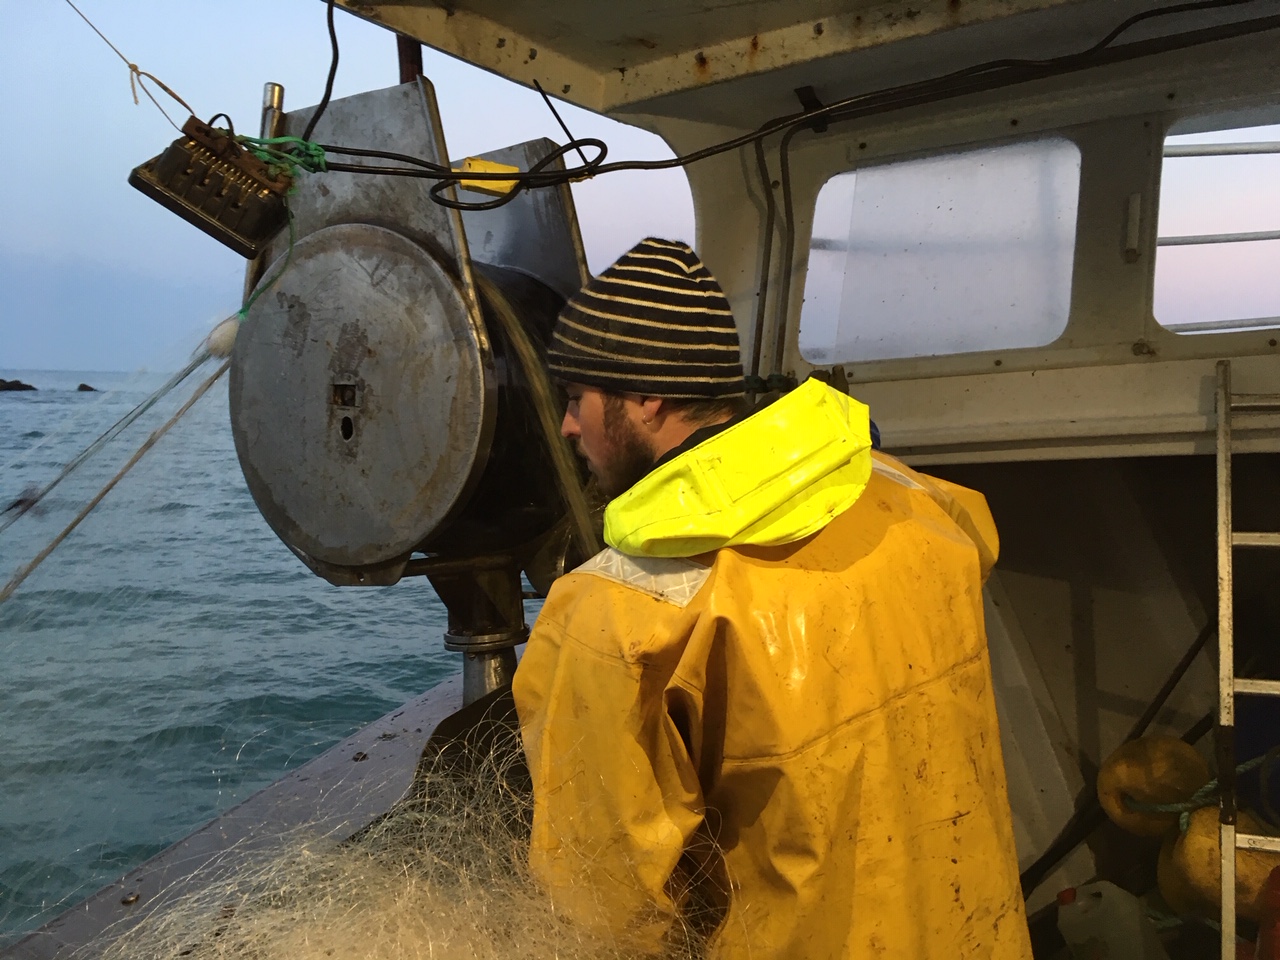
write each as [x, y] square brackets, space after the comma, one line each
[1219, 231]
[949, 254]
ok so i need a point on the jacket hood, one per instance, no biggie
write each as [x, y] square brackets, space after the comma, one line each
[778, 476]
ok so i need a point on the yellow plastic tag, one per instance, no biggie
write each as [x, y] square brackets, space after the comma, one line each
[494, 188]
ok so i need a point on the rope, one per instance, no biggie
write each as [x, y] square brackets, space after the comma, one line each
[111, 433]
[16, 581]
[136, 76]
[243, 313]
[299, 154]
[1206, 796]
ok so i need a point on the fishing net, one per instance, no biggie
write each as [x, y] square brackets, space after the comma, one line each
[443, 875]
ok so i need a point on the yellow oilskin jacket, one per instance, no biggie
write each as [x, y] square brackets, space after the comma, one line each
[765, 712]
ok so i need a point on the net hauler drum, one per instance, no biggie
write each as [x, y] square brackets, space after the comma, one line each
[377, 405]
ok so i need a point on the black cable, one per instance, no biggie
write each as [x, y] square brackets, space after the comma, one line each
[556, 113]
[328, 84]
[556, 176]
[1190, 7]
[425, 170]
[766, 256]
[231, 128]
[386, 155]
[788, 243]
[980, 77]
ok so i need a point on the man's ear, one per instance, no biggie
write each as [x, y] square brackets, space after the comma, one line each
[653, 410]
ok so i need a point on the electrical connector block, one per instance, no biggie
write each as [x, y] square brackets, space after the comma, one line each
[212, 182]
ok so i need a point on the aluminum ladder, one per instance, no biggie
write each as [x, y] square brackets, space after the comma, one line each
[1228, 685]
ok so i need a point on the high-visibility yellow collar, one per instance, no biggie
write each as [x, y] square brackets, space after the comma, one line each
[775, 477]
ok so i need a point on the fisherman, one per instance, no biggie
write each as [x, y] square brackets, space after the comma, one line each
[765, 711]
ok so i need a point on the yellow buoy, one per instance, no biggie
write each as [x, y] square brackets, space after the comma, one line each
[1189, 871]
[1149, 770]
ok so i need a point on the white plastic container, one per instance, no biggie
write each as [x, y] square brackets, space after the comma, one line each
[1100, 921]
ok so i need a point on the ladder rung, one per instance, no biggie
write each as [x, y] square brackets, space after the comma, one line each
[1256, 402]
[1241, 539]
[1251, 841]
[1264, 688]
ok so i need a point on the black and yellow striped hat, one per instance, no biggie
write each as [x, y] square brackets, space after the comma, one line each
[655, 323]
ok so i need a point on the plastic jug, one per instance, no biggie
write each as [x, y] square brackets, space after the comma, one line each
[1100, 921]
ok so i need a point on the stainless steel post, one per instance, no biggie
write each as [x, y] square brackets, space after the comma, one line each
[486, 620]
[271, 125]
[272, 111]
[483, 673]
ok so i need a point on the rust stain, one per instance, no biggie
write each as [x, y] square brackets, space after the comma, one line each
[297, 323]
[701, 64]
[1143, 349]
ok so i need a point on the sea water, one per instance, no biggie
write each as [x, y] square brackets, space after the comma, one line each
[172, 657]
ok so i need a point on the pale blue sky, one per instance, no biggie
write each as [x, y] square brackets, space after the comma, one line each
[95, 276]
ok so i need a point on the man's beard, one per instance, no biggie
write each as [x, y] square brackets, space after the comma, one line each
[629, 456]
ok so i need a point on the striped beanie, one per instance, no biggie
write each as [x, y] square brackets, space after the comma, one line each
[655, 323]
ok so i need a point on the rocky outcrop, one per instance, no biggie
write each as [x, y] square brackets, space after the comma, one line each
[85, 388]
[15, 385]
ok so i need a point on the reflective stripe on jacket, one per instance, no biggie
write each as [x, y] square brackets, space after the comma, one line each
[791, 739]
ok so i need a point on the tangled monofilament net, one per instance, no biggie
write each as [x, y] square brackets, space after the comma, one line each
[443, 875]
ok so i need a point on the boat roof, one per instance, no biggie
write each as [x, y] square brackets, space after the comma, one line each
[737, 63]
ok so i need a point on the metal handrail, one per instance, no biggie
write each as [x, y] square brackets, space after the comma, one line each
[1217, 238]
[1223, 326]
[1221, 149]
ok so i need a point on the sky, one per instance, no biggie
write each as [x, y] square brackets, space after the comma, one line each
[95, 276]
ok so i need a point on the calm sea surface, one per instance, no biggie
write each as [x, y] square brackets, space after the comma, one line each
[171, 657]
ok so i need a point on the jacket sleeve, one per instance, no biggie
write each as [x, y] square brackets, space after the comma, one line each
[616, 796]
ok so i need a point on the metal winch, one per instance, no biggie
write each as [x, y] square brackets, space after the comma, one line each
[388, 402]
